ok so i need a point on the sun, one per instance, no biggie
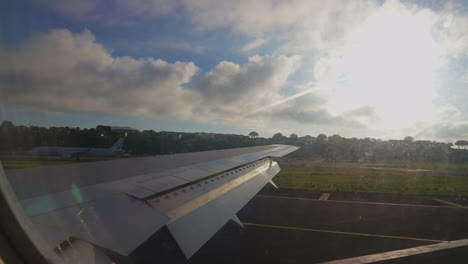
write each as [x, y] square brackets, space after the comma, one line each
[390, 63]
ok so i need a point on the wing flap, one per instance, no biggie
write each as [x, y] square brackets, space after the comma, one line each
[119, 223]
[196, 215]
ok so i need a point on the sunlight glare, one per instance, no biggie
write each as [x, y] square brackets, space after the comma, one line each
[390, 63]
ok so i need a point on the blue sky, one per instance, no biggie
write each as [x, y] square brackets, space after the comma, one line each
[384, 69]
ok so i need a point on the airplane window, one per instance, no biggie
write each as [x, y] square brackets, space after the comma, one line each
[332, 131]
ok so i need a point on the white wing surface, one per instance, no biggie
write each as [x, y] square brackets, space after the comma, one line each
[116, 205]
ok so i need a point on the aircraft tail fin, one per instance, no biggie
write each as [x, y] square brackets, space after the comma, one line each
[118, 145]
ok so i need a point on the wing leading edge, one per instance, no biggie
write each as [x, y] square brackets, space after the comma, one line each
[193, 201]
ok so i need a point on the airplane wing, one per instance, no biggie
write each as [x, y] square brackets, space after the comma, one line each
[116, 205]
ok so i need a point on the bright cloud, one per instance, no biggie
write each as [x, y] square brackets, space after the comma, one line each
[62, 71]
[234, 89]
[390, 62]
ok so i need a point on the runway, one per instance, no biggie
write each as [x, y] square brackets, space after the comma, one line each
[300, 226]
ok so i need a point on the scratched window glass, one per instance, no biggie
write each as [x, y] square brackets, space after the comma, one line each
[218, 131]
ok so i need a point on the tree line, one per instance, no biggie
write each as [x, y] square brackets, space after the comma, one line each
[14, 139]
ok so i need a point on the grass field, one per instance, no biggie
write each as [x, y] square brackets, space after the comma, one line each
[425, 166]
[18, 164]
[367, 180]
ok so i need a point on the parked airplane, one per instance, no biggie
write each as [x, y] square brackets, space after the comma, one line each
[115, 150]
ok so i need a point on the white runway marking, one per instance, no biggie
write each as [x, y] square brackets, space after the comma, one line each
[324, 196]
[358, 202]
[449, 203]
[401, 253]
[342, 233]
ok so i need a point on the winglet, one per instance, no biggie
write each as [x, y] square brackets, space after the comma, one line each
[274, 185]
[237, 220]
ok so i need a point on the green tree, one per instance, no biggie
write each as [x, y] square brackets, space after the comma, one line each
[253, 134]
[461, 143]
[278, 138]
[322, 137]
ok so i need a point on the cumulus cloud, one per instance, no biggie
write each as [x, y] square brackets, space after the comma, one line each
[317, 117]
[66, 72]
[307, 26]
[393, 61]
[311, 109]
[448, 131]
[449, 30]
[232, 89]
[302, 24]
[386, 56]
[448, 125]
[62, 71]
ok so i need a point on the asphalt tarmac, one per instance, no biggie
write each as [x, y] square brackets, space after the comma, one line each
[301, 226]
